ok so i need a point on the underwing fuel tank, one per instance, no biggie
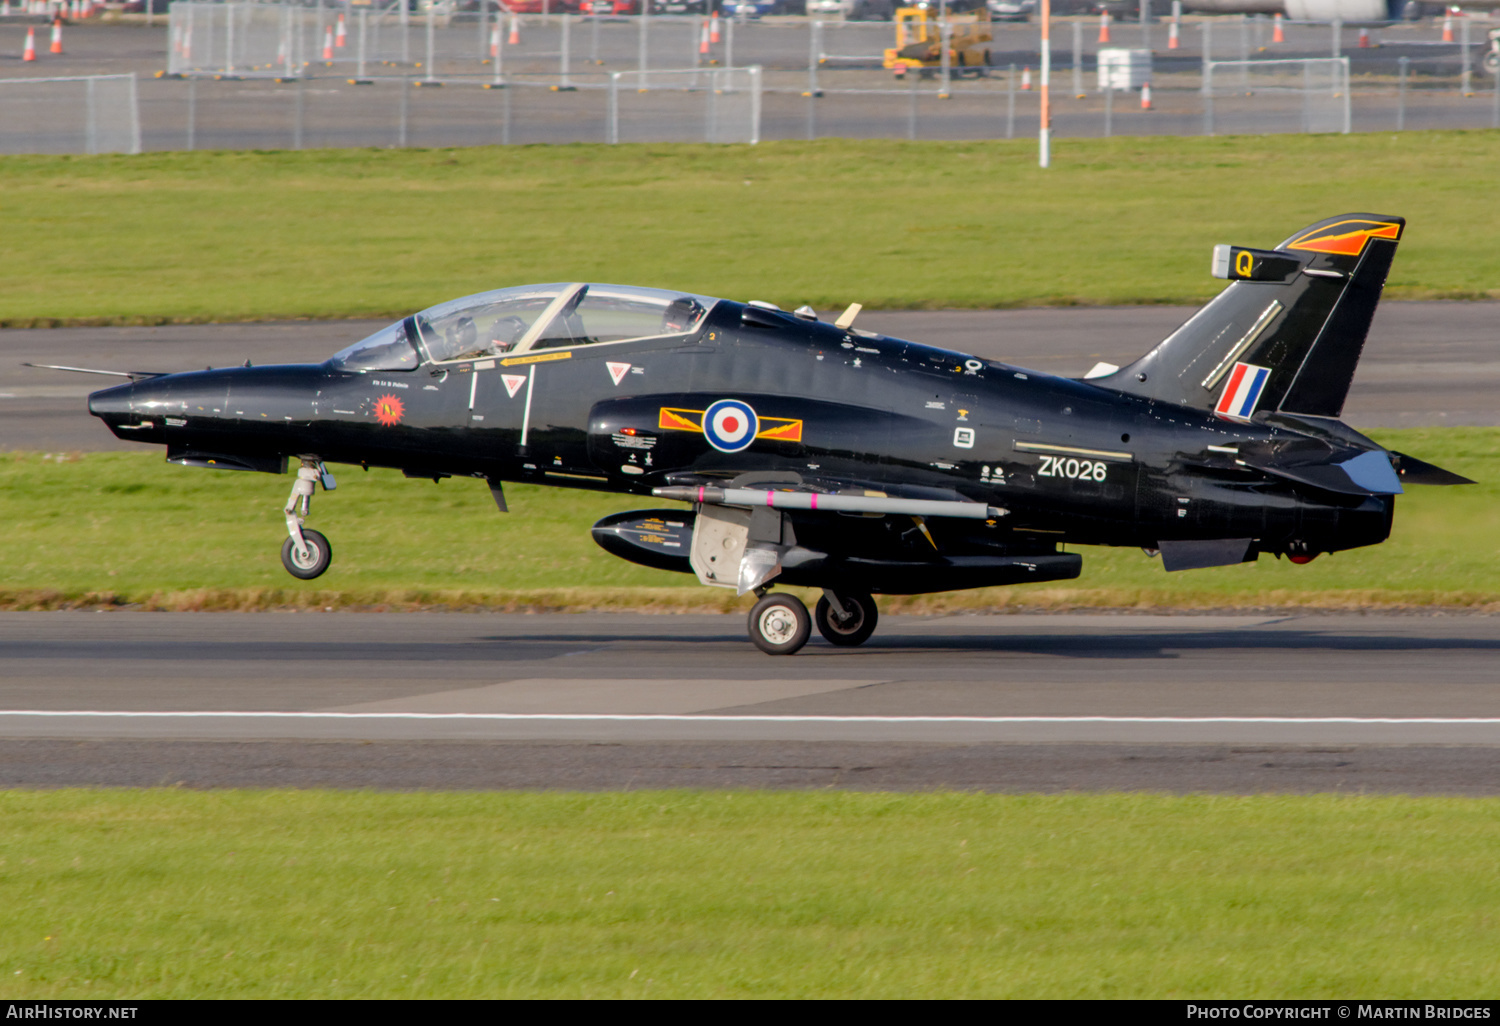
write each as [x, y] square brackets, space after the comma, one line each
[663, 539]
[660, 538]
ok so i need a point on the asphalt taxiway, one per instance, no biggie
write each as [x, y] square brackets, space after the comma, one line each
[1183, 703]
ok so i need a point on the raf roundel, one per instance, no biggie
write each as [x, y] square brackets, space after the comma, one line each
[730, 425]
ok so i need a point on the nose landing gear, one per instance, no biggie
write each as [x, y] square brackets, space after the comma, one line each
[306, 553]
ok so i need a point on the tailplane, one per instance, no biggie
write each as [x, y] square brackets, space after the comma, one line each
[1285, 335]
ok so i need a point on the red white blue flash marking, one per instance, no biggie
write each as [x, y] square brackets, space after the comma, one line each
[1246, 382]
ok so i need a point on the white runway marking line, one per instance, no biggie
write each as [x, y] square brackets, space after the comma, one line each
[692, 718]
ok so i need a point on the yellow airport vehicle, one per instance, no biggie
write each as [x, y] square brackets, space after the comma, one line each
[919, 42]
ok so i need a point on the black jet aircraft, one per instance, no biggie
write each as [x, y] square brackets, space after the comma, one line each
[816, 454]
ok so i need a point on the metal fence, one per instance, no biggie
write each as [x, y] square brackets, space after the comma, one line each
[1253, 97]
[262, 75]
[276, 39]
[730, 106]
[84, 114]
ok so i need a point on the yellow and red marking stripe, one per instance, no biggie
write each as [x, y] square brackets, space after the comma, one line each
[1346, 238]
[779, 429]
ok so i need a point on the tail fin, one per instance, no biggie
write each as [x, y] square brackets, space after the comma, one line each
[1285, 335]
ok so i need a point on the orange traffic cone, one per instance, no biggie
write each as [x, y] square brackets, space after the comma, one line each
[328, 44]
[703, 39]
[495, 41]
[1364, 37]
[1172, 41]
[339, 37]
[1448, 29]
[56, 46]
[1104, 27]
[515, 32]
[713, 28]
[187, 44]
[1145, 96]
[29, 54]
[1277, 35]
[1026, 77]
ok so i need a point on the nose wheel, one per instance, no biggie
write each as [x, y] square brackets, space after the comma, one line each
[779, 624]
[846, 620]
[306, 553]
[310, 561]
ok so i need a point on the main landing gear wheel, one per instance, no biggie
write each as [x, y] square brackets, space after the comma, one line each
[779, 624]
[319, 555]
[853, 629]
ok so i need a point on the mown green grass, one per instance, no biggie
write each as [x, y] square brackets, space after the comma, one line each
[340, 233]
[164, 893]
[128, 528]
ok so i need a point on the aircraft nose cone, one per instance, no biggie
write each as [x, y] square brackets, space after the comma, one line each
[112, 404]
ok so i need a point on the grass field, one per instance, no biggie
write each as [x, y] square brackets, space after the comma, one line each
[128, 528]
[340, 233]
[744, 894]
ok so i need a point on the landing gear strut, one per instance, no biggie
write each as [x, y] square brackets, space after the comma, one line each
[306, 553]
[846, 620]
[779, 624]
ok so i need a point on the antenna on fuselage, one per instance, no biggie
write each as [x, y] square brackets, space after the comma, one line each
[847, 317]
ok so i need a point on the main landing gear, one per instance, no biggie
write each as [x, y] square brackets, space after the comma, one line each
[306, 553]
[846, 620]
[780, 625]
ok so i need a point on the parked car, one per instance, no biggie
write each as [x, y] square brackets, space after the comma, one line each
[601, 8]
[760, 8]
[536, 6]
[872, 10]
[830, 7]
[681, 6]
[1011, 10]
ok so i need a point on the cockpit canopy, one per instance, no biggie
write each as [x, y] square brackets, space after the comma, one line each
[525, 318]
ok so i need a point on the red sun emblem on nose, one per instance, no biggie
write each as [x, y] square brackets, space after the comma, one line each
[388, 410]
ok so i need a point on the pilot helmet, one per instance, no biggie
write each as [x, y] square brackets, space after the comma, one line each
[506, 332]
[681, 314]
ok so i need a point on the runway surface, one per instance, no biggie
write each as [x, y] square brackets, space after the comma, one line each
[1183, 703]
[1425, 364]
